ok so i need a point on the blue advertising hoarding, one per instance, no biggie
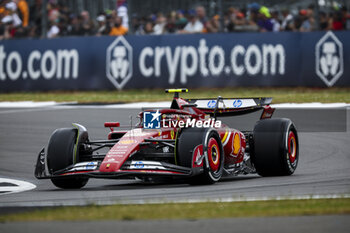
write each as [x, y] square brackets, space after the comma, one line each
[316, 59]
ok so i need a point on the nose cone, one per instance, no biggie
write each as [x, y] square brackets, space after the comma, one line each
[122, 150]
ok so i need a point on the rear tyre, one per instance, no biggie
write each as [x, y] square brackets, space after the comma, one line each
[275, 147]
[61, 154]
[188, 141]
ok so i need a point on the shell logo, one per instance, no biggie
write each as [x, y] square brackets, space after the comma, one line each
[125, 142]
[236, 144]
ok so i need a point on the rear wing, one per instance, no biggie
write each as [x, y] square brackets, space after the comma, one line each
[229, 106]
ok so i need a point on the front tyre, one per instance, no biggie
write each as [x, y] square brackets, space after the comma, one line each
[275, 148]
[215, 155]
[70, 183]
[213, 162]
[62, 153]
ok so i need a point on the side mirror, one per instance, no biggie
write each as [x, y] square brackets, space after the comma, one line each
[111, 125]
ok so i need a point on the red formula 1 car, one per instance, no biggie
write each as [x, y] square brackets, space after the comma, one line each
[185, 141]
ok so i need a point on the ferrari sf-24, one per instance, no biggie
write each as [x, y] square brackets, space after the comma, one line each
[185, 142]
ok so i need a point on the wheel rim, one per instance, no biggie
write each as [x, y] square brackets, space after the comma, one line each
[292, 147]
[213, 154]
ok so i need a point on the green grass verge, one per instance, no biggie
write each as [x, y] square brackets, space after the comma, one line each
[187, 211]
[280, 95]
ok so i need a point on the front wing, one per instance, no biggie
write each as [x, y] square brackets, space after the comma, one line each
[130, 169]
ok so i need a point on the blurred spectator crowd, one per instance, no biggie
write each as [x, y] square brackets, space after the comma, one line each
[254, 17]
[18, 19]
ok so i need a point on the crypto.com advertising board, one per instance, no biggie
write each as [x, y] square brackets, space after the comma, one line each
[316, 59]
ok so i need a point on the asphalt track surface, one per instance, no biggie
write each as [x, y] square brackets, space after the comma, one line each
[310, 224]
[324, 165]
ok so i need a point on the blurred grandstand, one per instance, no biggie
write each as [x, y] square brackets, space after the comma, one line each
[58, 18]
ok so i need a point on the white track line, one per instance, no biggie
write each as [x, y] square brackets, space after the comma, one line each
[27, 104]
[311, 105]
[162, 104]
[20, 186]
[44, 203]
[166, 104]
[228, 199]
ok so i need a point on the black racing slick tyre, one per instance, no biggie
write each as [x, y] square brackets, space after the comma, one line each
[213, 163]
[61, 154]
[70, 183]
[275, 147]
